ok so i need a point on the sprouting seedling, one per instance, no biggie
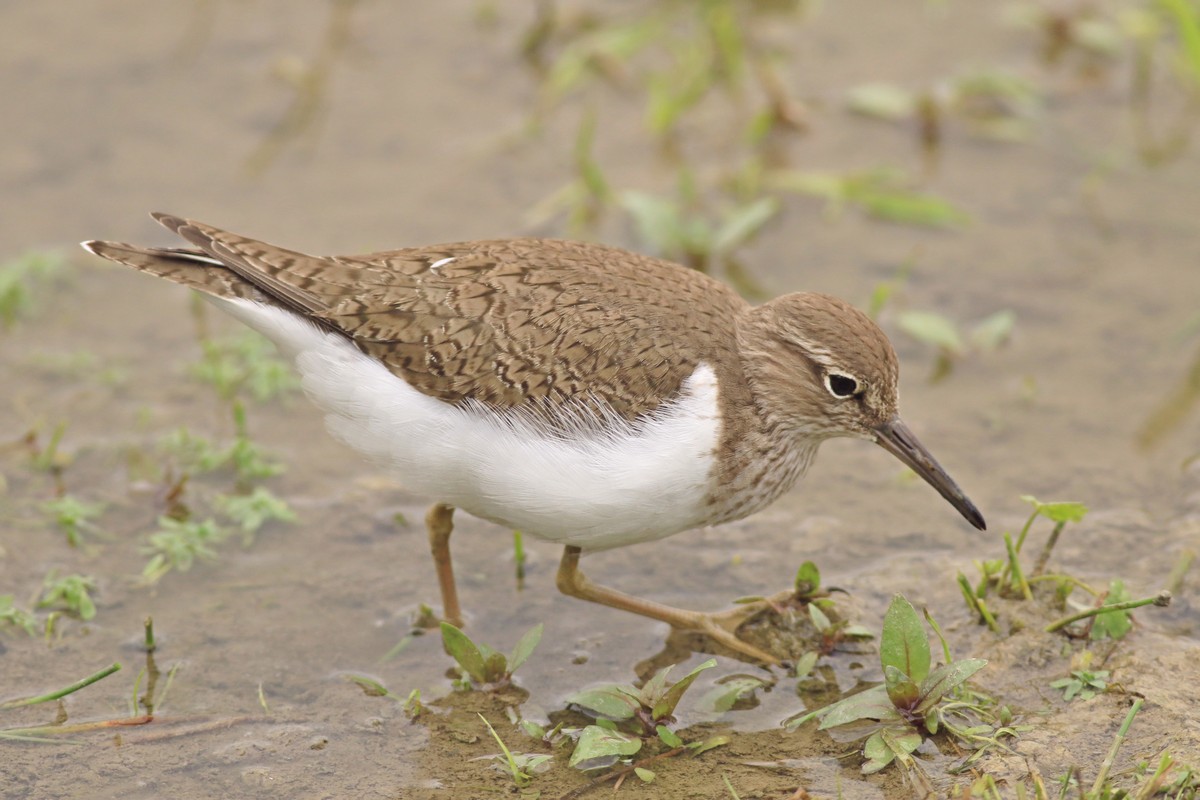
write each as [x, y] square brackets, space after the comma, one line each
[74, 517]
[884, 194]
[943, 334]
[71, 593]
[519, 765]
[12, 615]
[21, 280]
[245, 362]
[1082, 683]
[178, 544]
[626, 716]
[480, 664]
[251, 511]
[914, 698]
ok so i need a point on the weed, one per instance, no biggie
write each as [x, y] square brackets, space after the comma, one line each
[627, 716]
[245, 362]
[884, 194]
[13, 616]
[20, 281]
[73, 517]
[914, 698]
[178, 544]
[480, 664]
[72, 593]
[250, 512]
[519, 765]
[1082, 683]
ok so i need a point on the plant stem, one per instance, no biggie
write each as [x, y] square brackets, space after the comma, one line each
[1161, 599]
[1044, 556]
[1014, 564]
[74, 687]
[149, 625]
[1116, 745]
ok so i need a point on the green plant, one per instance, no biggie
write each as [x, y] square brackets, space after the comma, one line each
[913, 700]
[1082, 683]
[627, 716]
[20, 280]
[72, 592]
[246, 361]
[73, 517]
[519, 765]
[251, 511]
[480, 664]
[16, 617]
[178, 544]
[884, 194]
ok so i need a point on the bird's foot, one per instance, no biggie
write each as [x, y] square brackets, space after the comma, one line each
[722, 626]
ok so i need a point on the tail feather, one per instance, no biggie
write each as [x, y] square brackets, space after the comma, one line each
[192, 268]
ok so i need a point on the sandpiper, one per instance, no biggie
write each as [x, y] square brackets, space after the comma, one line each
[579, 393]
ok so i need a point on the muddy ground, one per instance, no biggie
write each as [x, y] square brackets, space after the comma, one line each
[351, 127]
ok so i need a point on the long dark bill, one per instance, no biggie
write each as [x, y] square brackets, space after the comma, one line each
[895, 437]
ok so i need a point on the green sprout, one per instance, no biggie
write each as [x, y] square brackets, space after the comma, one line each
[178, 544]
[15, 617]
[519, 765]
[627, 716]
[71, 593]
[73, 517]
[250, 512]
[247, 361]
[481, 665]
[1082, 683]
[21, 279]
[884, 194]
[914, 699]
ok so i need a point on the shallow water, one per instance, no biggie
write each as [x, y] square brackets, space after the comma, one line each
[127, 107]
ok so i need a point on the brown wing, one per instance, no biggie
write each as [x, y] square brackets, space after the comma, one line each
[519, 323]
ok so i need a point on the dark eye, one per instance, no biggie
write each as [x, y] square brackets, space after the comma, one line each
[841, 385]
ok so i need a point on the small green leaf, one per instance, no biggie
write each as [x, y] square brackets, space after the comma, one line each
[646, 775]
[877, 753]
[653, 689]
[1057, 512]
[1111, 624]
[666, 706]
[819, 619]
[465, 652]
[994, 330]
[708, 744]
[945, 679]
[614, 702]
[903, 644]
[883, 101]
[524, 648]
[597, 744]
[931, 328]
[804, 664]
[495, 667]
[668, 736]
[808, 579]
[741, 225]
[871, 704]
[723, 696]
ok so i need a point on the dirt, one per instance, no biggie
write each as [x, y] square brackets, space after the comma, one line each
[414, 135]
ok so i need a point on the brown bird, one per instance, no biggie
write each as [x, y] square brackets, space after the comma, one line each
[580, 393]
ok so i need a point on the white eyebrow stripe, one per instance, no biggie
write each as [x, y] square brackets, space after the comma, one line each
[440, 262]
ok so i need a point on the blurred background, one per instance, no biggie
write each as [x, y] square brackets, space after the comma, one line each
[1010, 188]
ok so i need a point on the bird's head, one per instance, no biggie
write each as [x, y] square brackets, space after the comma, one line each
[821, 368]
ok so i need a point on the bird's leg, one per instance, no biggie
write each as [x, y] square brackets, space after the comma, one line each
[720, 626]
[439, 521]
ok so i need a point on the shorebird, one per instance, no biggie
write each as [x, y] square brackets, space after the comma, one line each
[579, 393]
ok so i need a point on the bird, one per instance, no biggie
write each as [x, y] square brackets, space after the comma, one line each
[580, 393]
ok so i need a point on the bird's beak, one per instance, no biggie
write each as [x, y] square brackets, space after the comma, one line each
[895, 437]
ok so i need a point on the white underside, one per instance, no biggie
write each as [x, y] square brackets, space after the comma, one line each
[607, 485]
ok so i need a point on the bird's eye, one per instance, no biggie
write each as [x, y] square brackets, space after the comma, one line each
[841, 385]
